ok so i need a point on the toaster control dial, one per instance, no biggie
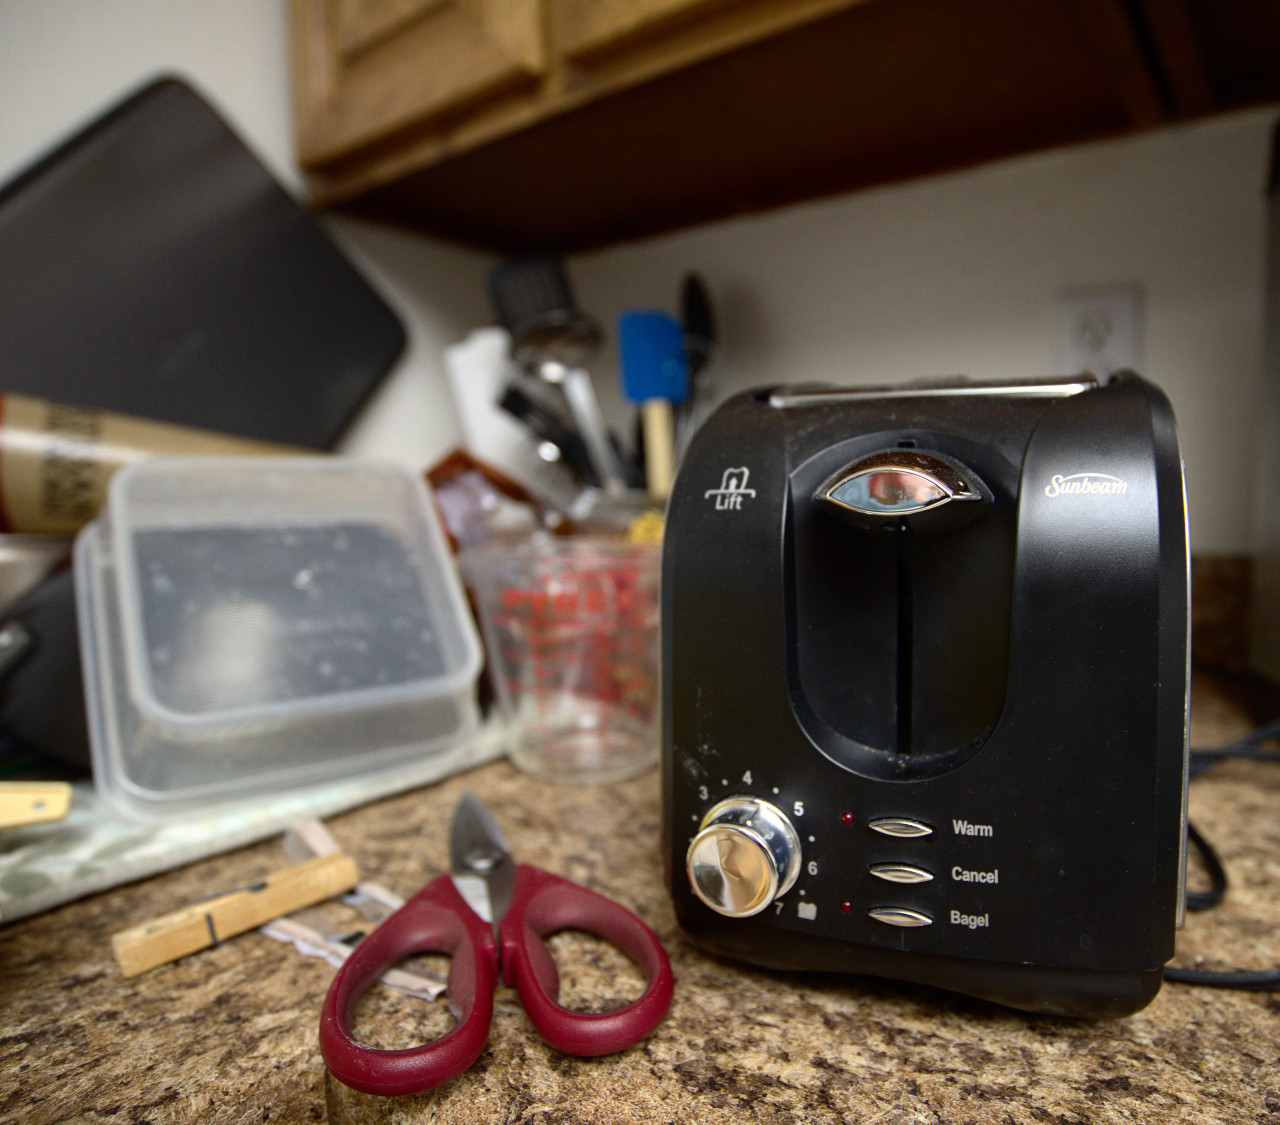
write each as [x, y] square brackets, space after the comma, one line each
[745, 855]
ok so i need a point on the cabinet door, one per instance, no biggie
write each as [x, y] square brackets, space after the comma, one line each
[613, 44]
[368, 69]
[587, 27]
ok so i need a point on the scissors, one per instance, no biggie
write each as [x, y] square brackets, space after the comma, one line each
[490, 913]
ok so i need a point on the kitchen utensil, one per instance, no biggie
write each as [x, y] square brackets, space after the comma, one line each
[480, 369]
[655, 375]
[926, 686]
[521, 401]
[698, 320]
[550, 336]
[490, 915]
[570, 627]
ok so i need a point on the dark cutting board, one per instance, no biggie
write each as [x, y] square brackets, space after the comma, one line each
[152, 265]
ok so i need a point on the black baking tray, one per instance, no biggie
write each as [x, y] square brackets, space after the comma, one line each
[152, 265]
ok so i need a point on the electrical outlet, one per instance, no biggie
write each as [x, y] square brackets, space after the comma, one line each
[1101, 329]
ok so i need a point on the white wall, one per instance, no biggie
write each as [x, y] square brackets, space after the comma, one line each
[960, 273]
[63, 61]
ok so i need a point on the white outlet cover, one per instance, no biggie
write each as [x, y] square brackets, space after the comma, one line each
[1101, 329]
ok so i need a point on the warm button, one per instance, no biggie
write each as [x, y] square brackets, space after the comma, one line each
[900, 826]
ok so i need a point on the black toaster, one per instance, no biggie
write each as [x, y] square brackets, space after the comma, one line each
[925, 682]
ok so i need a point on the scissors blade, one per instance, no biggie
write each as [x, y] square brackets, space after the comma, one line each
[477, 849]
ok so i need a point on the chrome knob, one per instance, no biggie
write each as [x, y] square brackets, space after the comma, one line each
[745, 855]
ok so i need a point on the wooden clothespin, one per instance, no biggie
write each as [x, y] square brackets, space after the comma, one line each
[33, 802]
[207, 923]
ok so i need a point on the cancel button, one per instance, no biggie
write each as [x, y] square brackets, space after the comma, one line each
[960, 875]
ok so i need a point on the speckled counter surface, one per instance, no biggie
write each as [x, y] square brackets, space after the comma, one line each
[229, 1035]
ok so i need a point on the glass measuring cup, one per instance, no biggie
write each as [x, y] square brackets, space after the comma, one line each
[571, 629]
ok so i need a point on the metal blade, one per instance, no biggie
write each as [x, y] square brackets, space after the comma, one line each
[477, 849]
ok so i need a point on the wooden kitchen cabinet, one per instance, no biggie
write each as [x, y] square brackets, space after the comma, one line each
[586, 27]
[387, 87]
[564, 124]
[367, 69]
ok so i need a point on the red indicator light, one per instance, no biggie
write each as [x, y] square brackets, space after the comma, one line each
[846, 818]
[846, 907]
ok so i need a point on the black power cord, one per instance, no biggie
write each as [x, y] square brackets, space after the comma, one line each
[1248, 747]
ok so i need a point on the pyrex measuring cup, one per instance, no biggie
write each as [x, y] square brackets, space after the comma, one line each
[571, 629]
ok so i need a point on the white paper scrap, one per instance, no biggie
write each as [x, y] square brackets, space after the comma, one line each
[311, 943]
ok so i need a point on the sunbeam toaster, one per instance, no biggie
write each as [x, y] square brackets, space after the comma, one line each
[925, 686]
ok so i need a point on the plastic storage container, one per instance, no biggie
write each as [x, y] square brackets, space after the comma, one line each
[254, 627]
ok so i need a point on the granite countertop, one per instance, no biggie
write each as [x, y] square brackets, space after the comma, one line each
[229, 1035]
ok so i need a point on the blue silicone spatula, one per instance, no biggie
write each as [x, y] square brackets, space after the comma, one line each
[655, 375]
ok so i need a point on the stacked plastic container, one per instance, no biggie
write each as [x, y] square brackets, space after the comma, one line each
[256, 627]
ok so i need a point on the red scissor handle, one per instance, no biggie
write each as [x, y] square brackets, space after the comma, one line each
[544, 904]
[435, 920]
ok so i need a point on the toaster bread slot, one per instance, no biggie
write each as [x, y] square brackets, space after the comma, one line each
[903, 568]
